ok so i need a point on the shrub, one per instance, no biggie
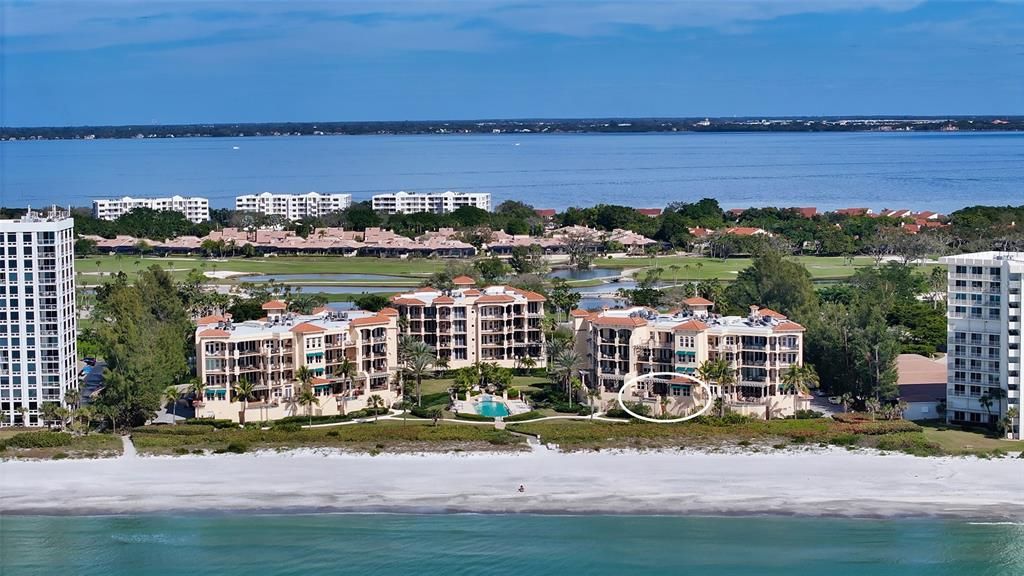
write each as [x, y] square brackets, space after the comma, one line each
[878, 427]
[636, 407]
[287, 427]
[40, 439]
[473, 417]
[806, 415]
[524, 416]
[237, 447]
[178, 430]
[181, 451]
[423, 412]
[59, 456]
[513, 393]
[910, 443]
[844, 440]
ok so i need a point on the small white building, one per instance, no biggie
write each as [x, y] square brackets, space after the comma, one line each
[922, 385]
[293, 206]
[194, 208]
[435, 202]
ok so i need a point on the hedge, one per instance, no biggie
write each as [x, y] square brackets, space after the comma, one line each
[473, 417]
[878, 427]
[216, 423]
[177, 430]
[524, 416]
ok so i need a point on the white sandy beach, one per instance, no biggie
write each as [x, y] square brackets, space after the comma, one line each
[832, 482]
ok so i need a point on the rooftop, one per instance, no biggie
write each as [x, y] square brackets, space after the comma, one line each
[754, 324]
[323, 321]
[459, 296]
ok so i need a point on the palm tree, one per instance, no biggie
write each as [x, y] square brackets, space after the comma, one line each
[346, 371]
[243, 390]
[197, 388]
[526, 363]
[171, 395]
[873, 406]
[24, 415]
[720, 372]
[304, 375]
[563, 366]
[420, 363]
[308, 399]
[84, 415]
[374, 402]
[986, 400]
[1012, 414]
[49, 411]
[799, 379]
[594, 395]
[846, 399]
[3, 418]
[72, 397]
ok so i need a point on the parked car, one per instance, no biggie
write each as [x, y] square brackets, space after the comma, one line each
[837, 400]
[90, 361]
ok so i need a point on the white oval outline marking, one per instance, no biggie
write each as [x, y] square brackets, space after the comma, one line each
[632, 382]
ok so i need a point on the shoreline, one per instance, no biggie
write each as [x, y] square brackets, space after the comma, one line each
[811, 483]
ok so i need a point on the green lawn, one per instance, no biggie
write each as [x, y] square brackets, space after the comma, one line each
[963, 442]
[270, 265]
[694, 268]
[408, 272]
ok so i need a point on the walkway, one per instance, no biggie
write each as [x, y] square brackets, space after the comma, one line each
[128, 448]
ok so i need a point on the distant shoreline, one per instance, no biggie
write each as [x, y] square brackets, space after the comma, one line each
[807, 483]
[790, 124]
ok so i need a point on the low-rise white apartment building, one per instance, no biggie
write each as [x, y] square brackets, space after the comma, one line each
[269, 351]
[38, 346]
[498, 324]
[293, 206]
[435, 202]
[984, 297]
[194, 208]
[624, 343]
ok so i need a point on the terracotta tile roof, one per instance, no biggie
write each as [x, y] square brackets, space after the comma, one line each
[529, 295]
[788, 326]
[471, 292]
[768, 312]
[307, 328]
[744, 231]
[690, 326]
[698, 301]
[807, 211]
[388, 311]
[212, 319]
[321, 310]
[853, 211]
[275, 305]
[444, 300]
[368, 320]
[214, 333]
[624, 321]
[463, 281]
[546, 212]
[577, 313]
[495, 299]
[407, 301]
[319, 380]
[652, 212]
[681, 380]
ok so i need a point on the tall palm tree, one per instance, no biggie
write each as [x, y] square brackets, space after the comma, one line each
[72, 397]
[308, 399]
[375, 402]
[346, 371]
[563, 366]
[84, 416]
[24, 415]
[171, 395]
[526, 363]
[197, 387]
[305, 376]
[719, 372]
[1011, 414]
[799, 379]
[243, 390]
[419, 364]
[49, 411]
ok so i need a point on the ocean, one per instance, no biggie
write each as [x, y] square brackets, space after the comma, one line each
[936, 171]
[504, 544]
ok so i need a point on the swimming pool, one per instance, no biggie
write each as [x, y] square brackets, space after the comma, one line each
[492, 408]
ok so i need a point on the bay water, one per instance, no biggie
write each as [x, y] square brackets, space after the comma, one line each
[935, 171]
[385, 544]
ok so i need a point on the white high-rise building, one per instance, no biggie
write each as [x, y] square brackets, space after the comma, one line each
[436, 202]
[194, 208]
[38, 352]
[984, 338]
[293, 206]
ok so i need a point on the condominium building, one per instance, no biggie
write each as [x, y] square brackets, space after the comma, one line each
[498, 324]
[625, 343]
[435, 202]
[268, 353]
[983, 312]
[195, 209]
[38, 351]
[293, 206]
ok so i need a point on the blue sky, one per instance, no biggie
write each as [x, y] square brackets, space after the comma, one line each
[84, 62]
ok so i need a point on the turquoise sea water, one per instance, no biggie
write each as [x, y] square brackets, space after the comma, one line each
[485, 544]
